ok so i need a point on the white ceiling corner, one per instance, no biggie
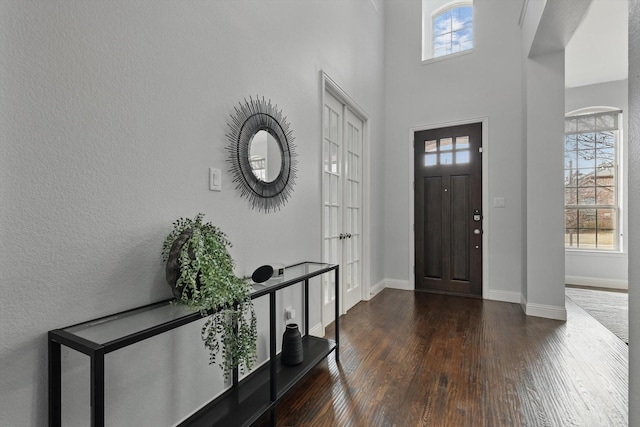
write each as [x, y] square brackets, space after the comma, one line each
[598, 50]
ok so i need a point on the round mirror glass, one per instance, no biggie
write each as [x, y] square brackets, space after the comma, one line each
[264, 156]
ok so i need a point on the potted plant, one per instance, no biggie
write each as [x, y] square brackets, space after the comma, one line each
[199, 270]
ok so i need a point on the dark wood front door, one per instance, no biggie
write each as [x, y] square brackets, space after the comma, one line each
[448, 209]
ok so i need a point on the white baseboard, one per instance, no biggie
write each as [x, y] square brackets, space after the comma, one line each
[376, 289]
[398, 284]
[504, 296]
[597, 282]
[523, 304]
[546, 311]
[317, 330]
[530, 309]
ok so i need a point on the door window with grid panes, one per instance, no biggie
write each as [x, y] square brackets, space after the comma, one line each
[591, 181]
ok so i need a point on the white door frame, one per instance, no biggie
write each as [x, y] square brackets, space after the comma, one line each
[486, 223]
[329, 85]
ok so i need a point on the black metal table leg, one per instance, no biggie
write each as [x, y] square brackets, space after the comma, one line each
[306, 307]
[55, 383]
[337, 290]
[272, 345]
[97, 388]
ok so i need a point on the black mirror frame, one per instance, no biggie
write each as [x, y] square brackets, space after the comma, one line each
[251, 117]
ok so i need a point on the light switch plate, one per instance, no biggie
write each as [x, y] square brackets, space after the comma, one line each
[215, 179]
[498, 202]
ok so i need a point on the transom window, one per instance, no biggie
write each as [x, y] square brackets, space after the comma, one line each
[453, 30]
[590, 181]
[446, 151]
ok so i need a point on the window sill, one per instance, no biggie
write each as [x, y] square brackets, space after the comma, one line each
[445, 57]
[594, 252]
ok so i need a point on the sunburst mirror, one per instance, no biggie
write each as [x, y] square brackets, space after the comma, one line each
[261, 154]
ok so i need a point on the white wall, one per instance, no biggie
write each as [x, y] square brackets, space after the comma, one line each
[588, 267]
[112, 114]
[545, 194]
[477, 85]
[546, 29]
[634, 211]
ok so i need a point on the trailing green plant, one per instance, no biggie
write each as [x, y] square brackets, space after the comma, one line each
[206, 282]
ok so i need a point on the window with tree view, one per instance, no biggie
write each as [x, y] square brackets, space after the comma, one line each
[590, 181]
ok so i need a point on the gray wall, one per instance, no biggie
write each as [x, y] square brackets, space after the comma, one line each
[483, 84]
[112, 114]
[586, 267]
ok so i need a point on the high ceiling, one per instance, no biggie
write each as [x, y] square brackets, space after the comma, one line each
[598, 50]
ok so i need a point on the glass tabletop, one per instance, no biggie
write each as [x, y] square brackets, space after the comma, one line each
[108, 329]
[120, 325]
[291, 274]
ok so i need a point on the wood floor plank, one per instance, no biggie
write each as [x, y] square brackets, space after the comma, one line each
[418, 359]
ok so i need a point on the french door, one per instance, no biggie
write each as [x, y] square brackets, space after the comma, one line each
[342, 204]
[448, 209]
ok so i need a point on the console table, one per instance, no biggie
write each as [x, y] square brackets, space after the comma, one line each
[244, 402]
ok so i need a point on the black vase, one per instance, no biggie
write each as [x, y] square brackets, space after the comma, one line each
[291, 346]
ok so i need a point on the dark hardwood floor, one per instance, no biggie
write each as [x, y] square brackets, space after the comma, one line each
[417, 359]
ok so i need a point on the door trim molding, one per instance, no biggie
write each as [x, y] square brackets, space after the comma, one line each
[327, 84]
[485, 197]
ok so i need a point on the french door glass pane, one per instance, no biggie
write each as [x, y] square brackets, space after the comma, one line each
[327, 220]
[333, 231]
[355, 197]
[334, 189]
[327, 190]
[326, 121]
[334, 158]
[334, 126]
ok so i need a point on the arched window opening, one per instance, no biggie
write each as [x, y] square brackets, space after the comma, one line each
[447, 28]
